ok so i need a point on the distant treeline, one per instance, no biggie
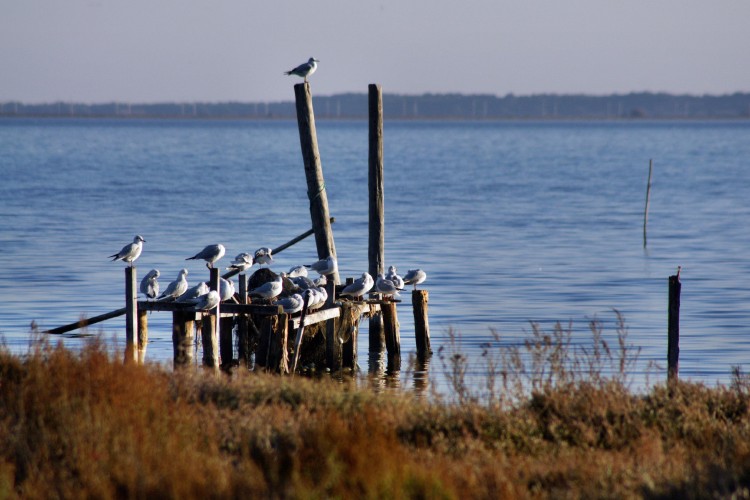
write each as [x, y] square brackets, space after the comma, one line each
[426, 106]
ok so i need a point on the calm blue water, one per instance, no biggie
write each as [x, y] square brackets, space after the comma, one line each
[513, 222]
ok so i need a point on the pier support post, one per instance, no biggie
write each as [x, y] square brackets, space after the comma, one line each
[142, 335]
[316, 188]
[376, 244]
[333, 345]
[210, 327]
[392, 335]
[419, 300]
[131, 315]
[272, 352]
[243, 330]
[673, 327]
[183, 337]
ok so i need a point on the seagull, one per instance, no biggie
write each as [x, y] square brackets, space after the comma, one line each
[242, 262]
[208, 301]
[269, 290]
[131, 251]
[291, 304]
[321, 282]
[305, 69]
[149, 285]
[385, 287]
[393, 276]
[296, 271]
[326, 266]
[210, 254]
[360, 286]
[302, 282]
[263, 256]
[194, 293]
[320, 296]
[307, 297]
[415, 277]
[226, 289]
[177, 287]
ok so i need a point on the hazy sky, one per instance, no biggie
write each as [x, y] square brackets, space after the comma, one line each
[217, 50]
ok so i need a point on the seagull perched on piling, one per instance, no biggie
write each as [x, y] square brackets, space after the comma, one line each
[385, 287]
[177, 287]
[291, 304]
[131, 251]
[149, 285]
[360, 286]
[414, 277]
[210, 254]
[194, 293]
[393, 275]
[208, 301]
[305, 69]
[269, 290]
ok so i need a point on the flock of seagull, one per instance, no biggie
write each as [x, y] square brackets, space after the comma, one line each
[309, 294]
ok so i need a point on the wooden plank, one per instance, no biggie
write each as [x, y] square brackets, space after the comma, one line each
[317, 317]
[263, 310]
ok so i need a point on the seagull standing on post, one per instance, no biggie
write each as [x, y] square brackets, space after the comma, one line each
[210, 254]
[131, 251]
[305, 69]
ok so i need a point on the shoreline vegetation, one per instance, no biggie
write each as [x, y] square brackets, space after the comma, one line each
[637, 105]
[554, 419]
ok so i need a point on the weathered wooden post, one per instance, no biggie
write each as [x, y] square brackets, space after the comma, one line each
[271, 354]
[243, 340]
[673, 327]
[142, 335]
[376, 246]
[131, 315]
[318, 203]
[392, 335]
[419, 300]
[183, 337]
[316, 191]
[210, 326]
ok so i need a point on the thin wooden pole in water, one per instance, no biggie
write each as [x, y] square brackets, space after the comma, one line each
[376, 245]
[316, 187]
[392, 335]
[673, 327]
[131, 315]
[648, 199]
[419, 300]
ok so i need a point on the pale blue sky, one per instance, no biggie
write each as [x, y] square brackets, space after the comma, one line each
[218, 50]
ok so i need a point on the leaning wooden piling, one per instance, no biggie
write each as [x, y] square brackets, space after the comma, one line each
[419, 300]
[316, 191]
[376, 228]
[673, 327]
[131, 314]
[392, 335]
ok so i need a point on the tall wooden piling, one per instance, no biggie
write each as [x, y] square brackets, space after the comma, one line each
[210, 327]
[243, 327]
[334, 353]
[392, 335]
[376, 244]
[131, 314]
[419, 300]
[316, 191]
[673, 327]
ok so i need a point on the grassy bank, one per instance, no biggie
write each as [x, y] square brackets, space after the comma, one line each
[85, 425]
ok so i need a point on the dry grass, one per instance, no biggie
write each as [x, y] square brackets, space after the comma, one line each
[85, 425]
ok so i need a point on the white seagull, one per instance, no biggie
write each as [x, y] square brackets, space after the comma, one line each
[210, 254]
[149, 285]
[226, 289]
[131, 251]
[242, 262]
[194, 293]
[385, 287]
[326, 266]
[263, 256]
[296, 271]
[393, 276]
[177, 287]
[208, 301]
[269, 290]
[291, 304]
[360, 286]
[305, 69]
[415, 277]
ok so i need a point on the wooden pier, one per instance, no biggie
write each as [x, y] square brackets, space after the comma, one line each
[264, 334]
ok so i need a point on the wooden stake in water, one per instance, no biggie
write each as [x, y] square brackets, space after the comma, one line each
[673, 326]
[648, 199]
[131, 315]
[376, 247]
